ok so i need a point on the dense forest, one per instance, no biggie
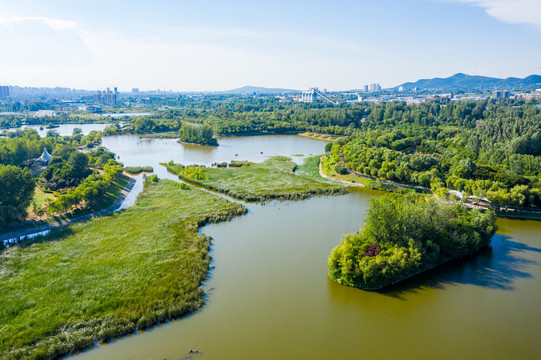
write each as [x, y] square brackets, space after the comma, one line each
[487, 149]
[405, 235]
[494, 154]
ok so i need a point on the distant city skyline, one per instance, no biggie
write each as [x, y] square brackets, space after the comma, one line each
[213, 46]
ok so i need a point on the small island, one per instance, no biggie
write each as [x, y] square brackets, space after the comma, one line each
[197, 135]
[406, 235]
[273, 179]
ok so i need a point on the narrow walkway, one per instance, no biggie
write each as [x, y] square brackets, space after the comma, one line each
[46, 227]
[338, 180]
[519, 213]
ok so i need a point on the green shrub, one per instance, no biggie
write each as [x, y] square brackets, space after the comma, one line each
[138, 169]
[341, 170]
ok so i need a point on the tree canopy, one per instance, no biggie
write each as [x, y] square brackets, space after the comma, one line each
[405, 235]
[16, 192]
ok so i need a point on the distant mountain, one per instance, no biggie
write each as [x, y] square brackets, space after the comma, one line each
[246, 90]
[475, 82]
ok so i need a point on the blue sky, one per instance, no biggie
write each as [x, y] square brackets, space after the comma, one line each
[217, 45]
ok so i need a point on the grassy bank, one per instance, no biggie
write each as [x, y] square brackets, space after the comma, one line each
[310, 169]
[110, 276]
[38, 202]
[272, 179]
[318, 136]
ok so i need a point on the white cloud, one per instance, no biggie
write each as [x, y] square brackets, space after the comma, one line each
[55, 24]
[512, 11]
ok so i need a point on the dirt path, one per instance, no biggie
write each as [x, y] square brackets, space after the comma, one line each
[39, 229]
[338, 180]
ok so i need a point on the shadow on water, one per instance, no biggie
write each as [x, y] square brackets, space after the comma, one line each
[497, 267]
[54, 235]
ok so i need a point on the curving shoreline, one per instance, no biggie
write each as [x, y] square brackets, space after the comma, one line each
[23, 233]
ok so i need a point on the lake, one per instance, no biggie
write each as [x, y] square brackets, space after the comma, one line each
[138, 151]
[268, 295]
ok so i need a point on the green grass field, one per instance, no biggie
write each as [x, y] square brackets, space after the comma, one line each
[310, 169]
[272, 179]
[40, 199]
[109, 276]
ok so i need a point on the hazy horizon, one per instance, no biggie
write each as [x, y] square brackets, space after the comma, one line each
[211, 46]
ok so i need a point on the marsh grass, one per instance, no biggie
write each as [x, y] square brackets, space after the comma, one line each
[134, 170]
[272, 179]
[110, 276]
[163, 135]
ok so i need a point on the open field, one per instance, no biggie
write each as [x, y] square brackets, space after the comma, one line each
[110, 276]
[272, 179]
[40, 199]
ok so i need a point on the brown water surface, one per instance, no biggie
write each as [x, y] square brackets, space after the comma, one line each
[268, 296]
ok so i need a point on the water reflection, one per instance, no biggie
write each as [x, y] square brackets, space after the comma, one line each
[497, 267]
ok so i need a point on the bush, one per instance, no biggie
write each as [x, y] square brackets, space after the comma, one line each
[328, 147]
[152, 178]
[138, 169]
[341, 170]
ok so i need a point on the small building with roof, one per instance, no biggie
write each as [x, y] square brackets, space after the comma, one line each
[44, 158]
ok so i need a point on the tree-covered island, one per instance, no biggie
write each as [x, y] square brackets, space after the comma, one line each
[406, 235]
[198, 135]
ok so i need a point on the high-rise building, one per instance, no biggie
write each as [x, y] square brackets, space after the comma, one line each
[374, 87]
[135, 91]
[4, 91]
[106, 97]
[500, 94]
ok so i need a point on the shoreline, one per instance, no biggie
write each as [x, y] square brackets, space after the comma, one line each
[512, 213]
[109, 329]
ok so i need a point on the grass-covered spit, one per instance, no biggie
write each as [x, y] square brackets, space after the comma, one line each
[272, 179]
[110, 276]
